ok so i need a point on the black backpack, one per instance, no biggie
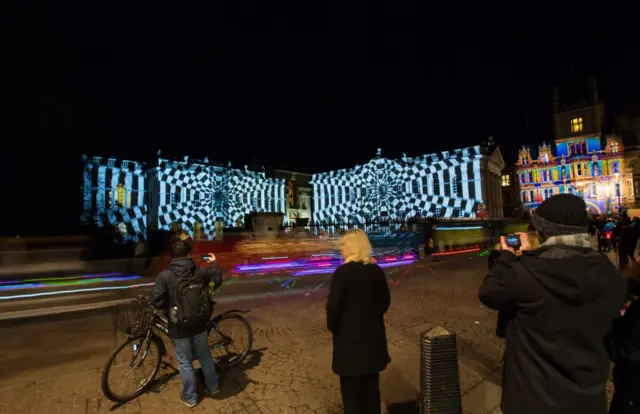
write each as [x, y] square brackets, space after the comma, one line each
[191, 306]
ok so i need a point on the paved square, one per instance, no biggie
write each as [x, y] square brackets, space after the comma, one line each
[55, 367]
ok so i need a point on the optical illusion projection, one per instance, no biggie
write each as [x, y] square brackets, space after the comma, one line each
[191, 193]
[445, 184]
[118, 193]
[114, 193]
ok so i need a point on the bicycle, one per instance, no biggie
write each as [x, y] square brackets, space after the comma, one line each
[144, 326]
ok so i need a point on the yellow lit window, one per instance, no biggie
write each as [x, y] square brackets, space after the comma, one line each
[506, 180]
[576, 125]
[120, 195]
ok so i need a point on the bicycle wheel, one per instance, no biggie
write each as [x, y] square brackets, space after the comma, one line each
[230, 341]
[130, 357]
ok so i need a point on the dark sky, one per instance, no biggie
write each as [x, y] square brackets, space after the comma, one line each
[308, 86]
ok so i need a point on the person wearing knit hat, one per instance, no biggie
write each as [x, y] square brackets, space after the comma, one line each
[562, 298]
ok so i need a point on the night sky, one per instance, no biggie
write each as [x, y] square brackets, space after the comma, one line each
[306, 86]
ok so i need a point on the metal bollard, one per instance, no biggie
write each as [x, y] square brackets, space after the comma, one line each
[439, 374]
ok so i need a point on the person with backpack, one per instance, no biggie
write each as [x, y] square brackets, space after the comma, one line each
[182, 291]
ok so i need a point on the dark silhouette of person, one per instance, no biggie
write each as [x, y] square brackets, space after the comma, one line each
[562, 298]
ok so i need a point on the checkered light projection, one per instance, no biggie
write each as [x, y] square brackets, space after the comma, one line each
[114, 193]
[191, 193]
[445, 184]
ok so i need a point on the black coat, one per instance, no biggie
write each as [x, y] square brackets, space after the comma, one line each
[164, 291]
[623, 344]
[358, 299]
[563, 300]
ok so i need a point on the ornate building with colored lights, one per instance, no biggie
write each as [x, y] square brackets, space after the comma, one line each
[582, 161]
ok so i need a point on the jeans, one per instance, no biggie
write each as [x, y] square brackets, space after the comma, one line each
[186, 349]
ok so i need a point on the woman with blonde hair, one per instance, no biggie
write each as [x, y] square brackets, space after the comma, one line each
[358, 299]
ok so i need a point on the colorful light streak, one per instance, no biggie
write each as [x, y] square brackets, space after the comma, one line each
[63, 292]
[46, 279]
[58, 282]
[455, 252]
[459, 228]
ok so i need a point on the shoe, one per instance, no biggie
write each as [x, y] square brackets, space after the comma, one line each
[211, 393]
[187, 403]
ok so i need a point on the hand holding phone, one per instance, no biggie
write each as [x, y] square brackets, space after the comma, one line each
[513, 241]
[208, 258]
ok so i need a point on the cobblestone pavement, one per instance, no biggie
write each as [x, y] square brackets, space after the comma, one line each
[289, 370]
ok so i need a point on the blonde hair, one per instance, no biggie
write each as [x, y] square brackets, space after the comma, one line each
[357, 245]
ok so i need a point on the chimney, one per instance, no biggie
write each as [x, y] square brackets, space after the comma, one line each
[595, 101]
[555, 105]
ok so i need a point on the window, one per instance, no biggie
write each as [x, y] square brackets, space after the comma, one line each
[594, 190]
[547, 193]
[579, 170]
[544, 158]
[436, 185]
[629, 188]
[616, 167]
[454, 187]
[523, 161]
[614, 147]
[506, 180]
[457, 212]
[120, 195]
[617, 189]
[524, 197]
[576, 125]
[290, 193]
[438, 212]
[532, 196]
[530, 177]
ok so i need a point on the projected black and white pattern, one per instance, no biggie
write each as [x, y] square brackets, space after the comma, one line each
[445, 184]
[114, 194]
[191, 193]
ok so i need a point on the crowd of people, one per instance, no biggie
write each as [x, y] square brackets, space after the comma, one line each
[559, 305]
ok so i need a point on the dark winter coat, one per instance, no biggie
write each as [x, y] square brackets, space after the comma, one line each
[563, 300]
[163, 294]
[623, 344]
[358, 299]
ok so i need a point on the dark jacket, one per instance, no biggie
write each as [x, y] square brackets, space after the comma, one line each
[564, 300]
[623, 344]
[165, 289]
[358, 299]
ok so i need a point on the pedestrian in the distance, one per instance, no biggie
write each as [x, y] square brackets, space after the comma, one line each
[623, 344]
[563, 297]
[358, 299]
[182, 291]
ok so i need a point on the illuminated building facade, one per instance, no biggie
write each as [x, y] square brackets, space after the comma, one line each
[299, 193]
[197, 195]
[194, 194]
[449, 184]
[581, 165]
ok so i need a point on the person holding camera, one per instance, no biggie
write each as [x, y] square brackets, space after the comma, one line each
[561, 298]
[183, 291]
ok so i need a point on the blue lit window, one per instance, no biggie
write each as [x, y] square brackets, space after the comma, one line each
[438, 212]
[436, 185]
